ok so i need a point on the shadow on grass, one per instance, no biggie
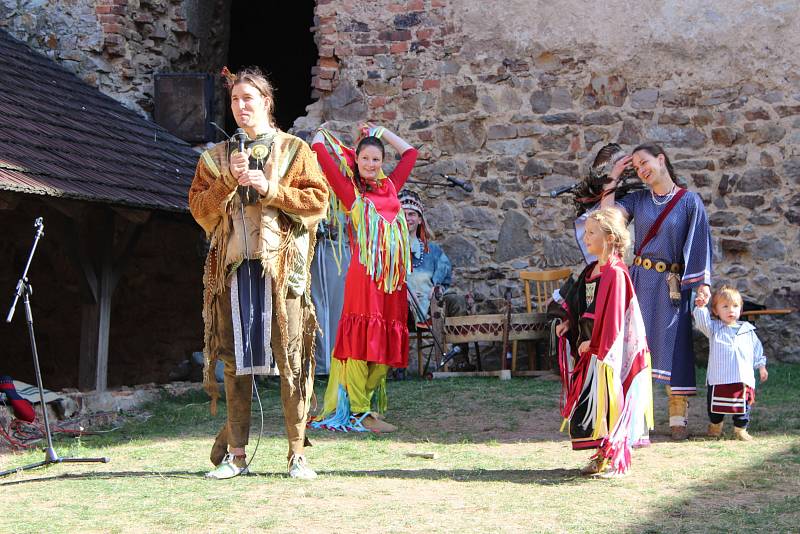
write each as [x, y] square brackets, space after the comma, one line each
[109, 476]
[451, 411]
[541, 477]
[763, 497]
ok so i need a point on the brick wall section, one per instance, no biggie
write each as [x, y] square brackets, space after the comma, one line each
[397, 29]
[324, 73]
[112, 15]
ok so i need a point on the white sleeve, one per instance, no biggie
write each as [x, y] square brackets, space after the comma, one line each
[702, 320]
[759, 359]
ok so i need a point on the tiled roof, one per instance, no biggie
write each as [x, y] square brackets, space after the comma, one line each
[63, 138]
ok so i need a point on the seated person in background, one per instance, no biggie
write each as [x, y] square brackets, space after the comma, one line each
[431, 273]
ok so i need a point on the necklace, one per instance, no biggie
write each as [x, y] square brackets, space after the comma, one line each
[666, 199]
[417, 254]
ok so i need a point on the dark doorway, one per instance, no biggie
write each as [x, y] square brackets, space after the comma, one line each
[277, 38]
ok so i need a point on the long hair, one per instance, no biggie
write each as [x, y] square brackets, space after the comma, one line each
[612, 222]
[655, 151]
[370, 140]
[255, 78]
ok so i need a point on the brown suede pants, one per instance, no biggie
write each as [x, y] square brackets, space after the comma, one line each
[239, 388]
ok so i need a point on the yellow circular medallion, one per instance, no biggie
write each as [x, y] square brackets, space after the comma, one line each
[259, 151]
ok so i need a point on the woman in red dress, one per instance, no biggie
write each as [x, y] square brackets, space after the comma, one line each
[373, 332]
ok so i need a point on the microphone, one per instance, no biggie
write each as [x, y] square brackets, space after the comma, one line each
[240, 135]
[563, 189]
[452, 353]
[466, 186]
[243, 191]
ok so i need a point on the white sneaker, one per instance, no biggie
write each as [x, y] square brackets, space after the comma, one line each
[298, 468]
[228, 468]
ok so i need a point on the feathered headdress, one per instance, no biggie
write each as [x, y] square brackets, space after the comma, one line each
[590, 191]
[230, 78]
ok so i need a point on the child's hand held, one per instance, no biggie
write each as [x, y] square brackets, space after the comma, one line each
[562, 328]
[703, 296]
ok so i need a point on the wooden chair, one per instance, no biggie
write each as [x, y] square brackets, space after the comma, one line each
[546, 283]
[424, 334]
[424, 341]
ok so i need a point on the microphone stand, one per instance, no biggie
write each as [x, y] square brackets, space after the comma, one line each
[433, 184]
[25, 291]
[450, 181]
[427, 182]
[443, 357]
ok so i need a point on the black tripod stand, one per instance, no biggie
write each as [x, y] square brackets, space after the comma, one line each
[444, 357]
[25, 291]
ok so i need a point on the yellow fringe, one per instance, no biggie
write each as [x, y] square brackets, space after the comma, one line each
[614, 404]
[564, 424]
[648, 414]
[600, 428]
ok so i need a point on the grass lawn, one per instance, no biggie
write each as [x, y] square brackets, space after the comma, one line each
[501, 465]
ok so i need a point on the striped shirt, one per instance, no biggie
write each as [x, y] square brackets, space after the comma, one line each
[734, 351]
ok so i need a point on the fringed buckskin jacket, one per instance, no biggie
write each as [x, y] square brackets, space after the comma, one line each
[282, 233]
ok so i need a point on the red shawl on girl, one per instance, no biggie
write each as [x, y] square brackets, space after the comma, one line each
[616, 369]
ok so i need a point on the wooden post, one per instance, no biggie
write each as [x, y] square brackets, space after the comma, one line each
[94, 253]
[506, 332]
[94, 241]
[106, 286]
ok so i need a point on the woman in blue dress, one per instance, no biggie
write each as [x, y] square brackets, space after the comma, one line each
[669, 263]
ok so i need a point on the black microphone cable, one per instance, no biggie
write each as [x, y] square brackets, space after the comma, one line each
[250, 314]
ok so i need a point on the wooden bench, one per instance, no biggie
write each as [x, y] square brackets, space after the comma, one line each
[492, 328]
[752, 315]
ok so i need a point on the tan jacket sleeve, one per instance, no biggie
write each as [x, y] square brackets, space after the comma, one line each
[209, 193]
[303, 190]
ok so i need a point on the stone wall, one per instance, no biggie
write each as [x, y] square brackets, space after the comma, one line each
[517, 96]
[119, 45]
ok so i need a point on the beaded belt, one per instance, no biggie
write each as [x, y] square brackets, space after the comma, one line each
[658, 265]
